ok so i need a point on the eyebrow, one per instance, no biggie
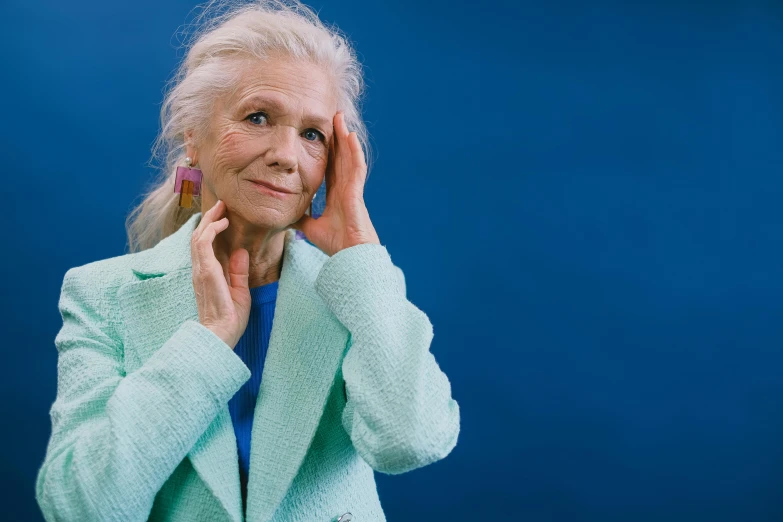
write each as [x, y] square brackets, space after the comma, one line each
[279, 107]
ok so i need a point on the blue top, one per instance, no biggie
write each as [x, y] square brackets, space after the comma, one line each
[251, 348]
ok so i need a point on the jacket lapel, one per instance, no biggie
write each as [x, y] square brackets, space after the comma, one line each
[306, 346]
[165, 286]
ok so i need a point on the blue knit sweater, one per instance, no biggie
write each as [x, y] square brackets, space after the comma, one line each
[251, 348]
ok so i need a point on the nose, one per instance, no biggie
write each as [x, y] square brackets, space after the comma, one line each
[282, 150]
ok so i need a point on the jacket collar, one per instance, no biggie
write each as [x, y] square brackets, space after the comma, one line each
[306, 347]
[171, 253]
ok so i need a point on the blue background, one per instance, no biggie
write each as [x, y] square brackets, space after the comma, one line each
[585, 198]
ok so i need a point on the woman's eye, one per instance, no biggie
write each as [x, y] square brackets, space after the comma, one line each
[316, 135]
[256, 117]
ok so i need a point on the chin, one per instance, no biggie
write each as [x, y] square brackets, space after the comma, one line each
[269, 218]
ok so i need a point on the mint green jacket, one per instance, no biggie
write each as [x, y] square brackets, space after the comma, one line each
[140, 425]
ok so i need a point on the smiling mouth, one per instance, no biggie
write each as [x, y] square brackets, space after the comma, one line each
[272, 187]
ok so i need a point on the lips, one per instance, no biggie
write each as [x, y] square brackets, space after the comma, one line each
[270, 186]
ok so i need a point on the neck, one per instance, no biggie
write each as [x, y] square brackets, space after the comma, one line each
[264, 246]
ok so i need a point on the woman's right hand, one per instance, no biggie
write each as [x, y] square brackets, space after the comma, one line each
[223, 306]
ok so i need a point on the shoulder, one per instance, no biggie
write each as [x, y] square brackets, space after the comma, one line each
[109, 271]
[88, 299]
[99, 280]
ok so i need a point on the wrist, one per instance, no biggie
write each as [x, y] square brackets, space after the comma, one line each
[222, 335]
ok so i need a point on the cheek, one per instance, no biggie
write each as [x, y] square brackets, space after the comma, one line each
[318, 158]
[315, 171]
[236, 149]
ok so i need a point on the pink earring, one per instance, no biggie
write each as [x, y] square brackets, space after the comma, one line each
[187, 183]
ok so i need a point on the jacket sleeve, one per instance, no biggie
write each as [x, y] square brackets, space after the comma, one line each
[399, 411]
[116, 439]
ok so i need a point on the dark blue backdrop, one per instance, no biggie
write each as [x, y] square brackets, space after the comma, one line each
[584, 196]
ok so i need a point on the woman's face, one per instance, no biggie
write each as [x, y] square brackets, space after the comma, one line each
[274, 128]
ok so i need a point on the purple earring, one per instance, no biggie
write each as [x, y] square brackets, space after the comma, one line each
[187, 183]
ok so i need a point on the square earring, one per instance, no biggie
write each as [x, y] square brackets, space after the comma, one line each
[187, 184]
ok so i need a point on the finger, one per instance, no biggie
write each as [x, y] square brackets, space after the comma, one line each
[343, 148]
[358, 155]
[212, 230]
[238, 269]
[341, 128]
[331, 165]
[209, 217]
[351, 159]
[339, 133]
[205, 253]
[354, 156]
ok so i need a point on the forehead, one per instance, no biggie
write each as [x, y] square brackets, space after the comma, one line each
[289, 86]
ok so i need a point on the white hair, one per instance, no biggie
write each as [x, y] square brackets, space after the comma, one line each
[225, 33]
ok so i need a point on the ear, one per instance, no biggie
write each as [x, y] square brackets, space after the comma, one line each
[190, 149]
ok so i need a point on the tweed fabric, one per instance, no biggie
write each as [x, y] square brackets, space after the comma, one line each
[140, 425]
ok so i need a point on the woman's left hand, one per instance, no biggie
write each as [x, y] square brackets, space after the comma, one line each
[345, 221]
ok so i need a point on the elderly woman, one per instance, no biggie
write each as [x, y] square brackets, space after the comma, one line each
[178, 397]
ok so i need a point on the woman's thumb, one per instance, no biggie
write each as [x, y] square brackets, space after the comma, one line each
[239, 269]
